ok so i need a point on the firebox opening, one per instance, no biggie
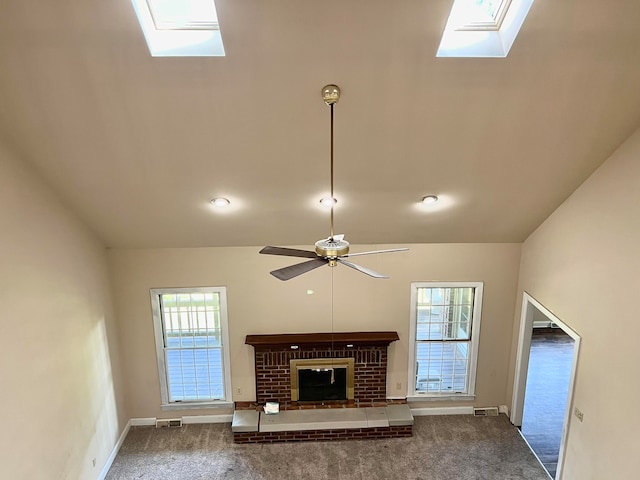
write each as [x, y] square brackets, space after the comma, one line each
[318, 384]
[318, 380]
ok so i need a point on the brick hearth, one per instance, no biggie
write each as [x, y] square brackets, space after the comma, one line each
[323, 435]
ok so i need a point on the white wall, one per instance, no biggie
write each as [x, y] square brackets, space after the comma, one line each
[583, 264]
[258, 303]
[61, 398]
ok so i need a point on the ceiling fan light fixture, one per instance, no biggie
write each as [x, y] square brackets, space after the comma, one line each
[429, 199]
[332, 247]
[220, 202]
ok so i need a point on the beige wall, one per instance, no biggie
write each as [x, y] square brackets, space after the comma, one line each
[583, 264]
[60, 391]
[258, 303]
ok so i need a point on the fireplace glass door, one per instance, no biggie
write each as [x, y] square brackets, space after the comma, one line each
[322, 379]
[319, 384]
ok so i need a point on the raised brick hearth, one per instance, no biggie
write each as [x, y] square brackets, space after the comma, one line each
[323, 435]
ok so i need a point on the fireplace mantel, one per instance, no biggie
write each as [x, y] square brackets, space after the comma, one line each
[338, 339]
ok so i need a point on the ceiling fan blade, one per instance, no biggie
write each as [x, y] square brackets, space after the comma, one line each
[288, 252]
[375, 251]
[364, 270]
[287, 273]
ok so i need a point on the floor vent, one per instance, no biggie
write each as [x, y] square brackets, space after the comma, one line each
[486, 412]
[168, 422]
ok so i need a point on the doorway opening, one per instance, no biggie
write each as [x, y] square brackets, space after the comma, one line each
[545, 372]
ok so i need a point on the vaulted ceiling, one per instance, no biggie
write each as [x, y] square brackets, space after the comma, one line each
[137, 145]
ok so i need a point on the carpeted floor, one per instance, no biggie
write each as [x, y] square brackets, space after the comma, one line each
[457, 447]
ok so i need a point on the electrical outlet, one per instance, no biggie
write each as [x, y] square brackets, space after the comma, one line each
[238, 391]
[398, 386]
[578, 413]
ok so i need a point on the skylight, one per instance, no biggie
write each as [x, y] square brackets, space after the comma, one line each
[482, 14]
[492, 7]
[183, 15]
[180, 28]
[482, 28]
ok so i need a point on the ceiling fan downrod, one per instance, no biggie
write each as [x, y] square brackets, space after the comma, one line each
[335, 246]
[331, 95]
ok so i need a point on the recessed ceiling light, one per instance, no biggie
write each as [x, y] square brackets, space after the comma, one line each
[429, 199]
[220, 202]
[328, 201]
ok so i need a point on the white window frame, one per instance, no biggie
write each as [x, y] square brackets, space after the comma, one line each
[464, 37]
[158, 327]
[412, 393]
[190, 39]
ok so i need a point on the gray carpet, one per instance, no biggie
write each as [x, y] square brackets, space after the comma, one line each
[460, 447]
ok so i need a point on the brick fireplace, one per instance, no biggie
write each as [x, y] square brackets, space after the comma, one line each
[362, 357]
[274, 353]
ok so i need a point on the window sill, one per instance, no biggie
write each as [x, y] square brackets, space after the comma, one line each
[197, 405]
[463, 397]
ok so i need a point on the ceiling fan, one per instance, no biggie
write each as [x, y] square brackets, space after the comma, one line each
[335, 248]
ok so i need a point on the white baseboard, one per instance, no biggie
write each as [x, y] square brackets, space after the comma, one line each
[142, 422]
[442, 411]
[114, 452]
[503, 409]
[207, 419]
[186, 419]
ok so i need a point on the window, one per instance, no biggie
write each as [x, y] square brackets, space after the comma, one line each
[180, 28]
[444, 334]
[482, 28]
[482, 14]
[190, 327]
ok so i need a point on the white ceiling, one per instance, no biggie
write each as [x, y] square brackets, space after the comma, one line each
[138, 145]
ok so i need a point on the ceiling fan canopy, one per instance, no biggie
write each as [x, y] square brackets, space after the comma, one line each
[333, 249]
